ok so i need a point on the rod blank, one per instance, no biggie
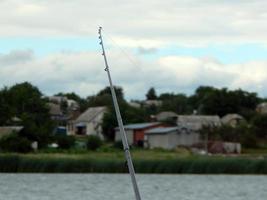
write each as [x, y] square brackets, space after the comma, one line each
[120, 123]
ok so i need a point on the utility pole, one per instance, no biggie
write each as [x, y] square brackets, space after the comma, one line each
[120, 123]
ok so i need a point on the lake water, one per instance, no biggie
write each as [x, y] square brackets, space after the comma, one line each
[118, 186]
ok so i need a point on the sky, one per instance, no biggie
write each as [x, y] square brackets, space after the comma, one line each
[174, 46]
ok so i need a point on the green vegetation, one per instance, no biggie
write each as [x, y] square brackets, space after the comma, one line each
[118, 145]
[65, 142]
[14, 143]
[115, 163]
[24, 102]
[151, 94]
[93, 142]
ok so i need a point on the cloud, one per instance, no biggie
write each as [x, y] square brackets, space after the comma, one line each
[83, 73]
[143, 50]
[29, 9]
[154, 22]
[16, 56]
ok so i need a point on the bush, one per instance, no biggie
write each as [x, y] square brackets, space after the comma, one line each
[118, 145]
[65, 142]
[15, 143]
[93, 142]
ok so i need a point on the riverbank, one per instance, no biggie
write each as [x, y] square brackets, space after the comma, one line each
[115, 163]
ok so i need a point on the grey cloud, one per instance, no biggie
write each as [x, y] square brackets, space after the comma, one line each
[143, 50]
[16, 56]
[173, 21]
[82, 72]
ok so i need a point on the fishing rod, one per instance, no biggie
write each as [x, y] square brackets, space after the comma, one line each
[119, 119]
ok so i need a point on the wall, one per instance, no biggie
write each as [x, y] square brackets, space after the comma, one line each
[172, 139]
[166, 141]
[157, 141]
[187, 138]
[139, 134]
[129, 136]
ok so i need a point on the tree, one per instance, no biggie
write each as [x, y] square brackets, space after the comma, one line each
[209, 100]
[5, 109]
[25, 102]
[104, 98]
[93, 142]
[15, 143]
[178, 103]
[65, 142]
[151, 94]
[243, 133]
[129, 115]
[260, 125]
[106, 90]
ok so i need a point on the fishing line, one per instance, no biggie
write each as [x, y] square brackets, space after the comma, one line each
[122, 50]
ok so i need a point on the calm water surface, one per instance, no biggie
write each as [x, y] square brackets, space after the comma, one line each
[118, 186]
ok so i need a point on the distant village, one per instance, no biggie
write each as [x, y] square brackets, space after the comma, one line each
[161, 129]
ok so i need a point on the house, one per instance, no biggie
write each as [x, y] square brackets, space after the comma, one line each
[57, 99]
[190, 125]
[262, 108]
[134, 104]
[197, 122]
[170, 137]
[72, 105]
[166, 115]
[7, 130]
[68, 105]
[55, 111]
[135, 133]
[232, 119]
[88, 123]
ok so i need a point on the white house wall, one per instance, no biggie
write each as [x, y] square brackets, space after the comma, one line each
[129, 135]
[93, 127]
[172, 140]
[155, 141]
[187, 139]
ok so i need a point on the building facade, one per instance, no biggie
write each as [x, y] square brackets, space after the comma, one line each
[135, 133]
[88, 123]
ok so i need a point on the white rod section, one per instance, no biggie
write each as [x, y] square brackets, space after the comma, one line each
[122, 131]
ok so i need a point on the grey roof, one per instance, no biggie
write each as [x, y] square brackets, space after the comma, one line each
[161, 130]
[227, 118]
[54, 109]
[165, 115]
[90, 114]
[196, 122]
[57, 99]
[9, 129]
[140, 125]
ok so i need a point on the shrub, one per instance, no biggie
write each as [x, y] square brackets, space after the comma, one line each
[118, 145]
[93, 142]
[15, 143]
[65, 142]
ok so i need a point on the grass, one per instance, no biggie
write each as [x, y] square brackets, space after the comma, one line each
[155, 161]
[258, 151]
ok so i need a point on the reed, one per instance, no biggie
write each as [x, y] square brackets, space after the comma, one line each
[84, 164]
